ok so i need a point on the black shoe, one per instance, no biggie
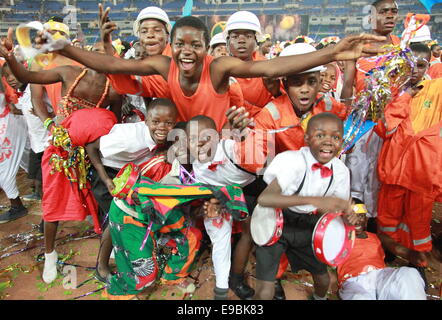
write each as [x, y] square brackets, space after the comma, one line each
[221, 294]
[243, 291]
[279, 291]
[13, 214]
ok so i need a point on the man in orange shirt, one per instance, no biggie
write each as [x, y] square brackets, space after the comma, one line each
[408, 165]
[364, 275]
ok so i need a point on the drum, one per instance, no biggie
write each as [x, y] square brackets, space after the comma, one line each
[333, 239]
[266, 225]
[125, 180]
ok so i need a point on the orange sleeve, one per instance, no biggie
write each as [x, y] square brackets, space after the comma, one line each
[395, 112]
[340, 109]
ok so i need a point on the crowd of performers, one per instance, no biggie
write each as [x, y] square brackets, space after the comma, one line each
[217, 126]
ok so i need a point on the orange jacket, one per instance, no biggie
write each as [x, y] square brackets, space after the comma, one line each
[279, 113]
[411, 158]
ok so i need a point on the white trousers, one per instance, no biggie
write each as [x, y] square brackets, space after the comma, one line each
[220, 236]
[13, 139]
[362, 163]
[385, 284]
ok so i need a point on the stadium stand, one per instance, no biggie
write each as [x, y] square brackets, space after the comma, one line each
[321, 17]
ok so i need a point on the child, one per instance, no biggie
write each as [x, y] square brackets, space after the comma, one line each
[216, 163]
[12, 146]
[37, 132]
[292, 111]
[130, 142]
[364, 276]
[243, 33]
[218, 46]
[408, 164]
[199, 84]
[300, 189]
[329, 79]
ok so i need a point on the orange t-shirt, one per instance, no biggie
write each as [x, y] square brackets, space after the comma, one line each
[364, 65]
[279, 113]
[366, 255]
[254, 91]
[205, 101]
[412, 148]
[145, 86]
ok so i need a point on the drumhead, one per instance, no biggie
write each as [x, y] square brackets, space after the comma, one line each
[334, 238]
[263, 224]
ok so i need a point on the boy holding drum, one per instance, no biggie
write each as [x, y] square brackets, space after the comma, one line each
[314, 182]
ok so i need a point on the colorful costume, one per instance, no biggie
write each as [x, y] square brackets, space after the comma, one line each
[161, 209]
[66, 190]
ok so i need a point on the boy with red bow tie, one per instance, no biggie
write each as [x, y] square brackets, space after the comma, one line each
[216, 163]
[313, 181]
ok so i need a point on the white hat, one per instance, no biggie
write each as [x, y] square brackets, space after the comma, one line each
[243, 20]
[217, 39]
[300, 48]
[423, 34]
[151, 13]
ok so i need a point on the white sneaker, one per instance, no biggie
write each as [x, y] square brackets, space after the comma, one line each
[50, 267]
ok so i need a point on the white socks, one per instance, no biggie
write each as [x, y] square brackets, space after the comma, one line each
[315, 297]
[50, 267]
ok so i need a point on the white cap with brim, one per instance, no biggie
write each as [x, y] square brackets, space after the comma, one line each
[243, 20]
[301, 48]
[217, 39]
[151, 13]
[421, 35]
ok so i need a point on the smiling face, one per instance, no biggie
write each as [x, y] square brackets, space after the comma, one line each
[160, 120]
[189, 50]
[203, 140]
[153, 36]
[328, 78]
[385, 17]
[242, 43]
[302, 90]
[324, 137]
[436, 51]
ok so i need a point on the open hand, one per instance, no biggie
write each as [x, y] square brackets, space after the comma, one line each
[354, 47]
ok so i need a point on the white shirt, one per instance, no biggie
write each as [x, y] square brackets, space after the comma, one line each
[289, 168]
[224, 174]
[127, 142]
[38, 135]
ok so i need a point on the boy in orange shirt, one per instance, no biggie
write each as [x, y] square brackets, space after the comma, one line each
[364, 275]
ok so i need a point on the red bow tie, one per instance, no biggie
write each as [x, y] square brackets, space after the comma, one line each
[215, 164]
[325, 171]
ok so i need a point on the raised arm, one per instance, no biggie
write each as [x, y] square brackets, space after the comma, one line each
[352, 47]
[104, 63]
